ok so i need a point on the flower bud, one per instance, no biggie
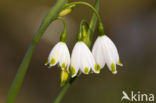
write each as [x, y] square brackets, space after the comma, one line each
[64, 77]
[66, 10]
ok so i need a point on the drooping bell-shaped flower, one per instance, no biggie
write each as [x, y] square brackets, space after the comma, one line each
[105, 51]
[82, 60]
[59, 55]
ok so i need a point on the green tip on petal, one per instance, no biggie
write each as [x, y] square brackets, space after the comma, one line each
[47, 62]
[113, 68]
[63, 66]
[52, 61]
[86, 70]
[119, 62]
[64, 77]
[73, 71]
[97, 68]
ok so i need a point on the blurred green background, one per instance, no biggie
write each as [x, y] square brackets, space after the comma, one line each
[131, 24]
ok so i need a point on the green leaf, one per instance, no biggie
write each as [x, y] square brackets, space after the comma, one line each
[18, 80]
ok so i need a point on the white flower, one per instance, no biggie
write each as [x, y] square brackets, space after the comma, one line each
[82, 60]
[105, 51]
[59, 55]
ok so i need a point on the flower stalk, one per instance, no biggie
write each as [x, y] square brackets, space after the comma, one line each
[63, 36]
[83, 33]
[100, 25]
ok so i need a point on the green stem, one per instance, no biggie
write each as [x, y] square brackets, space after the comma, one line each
[93, 21]
[69, 83]
[84, 22]
[63, 36]
[64, 22]
[100, 25]
[64, 90]
[18, 80]
[80, 34]
[89, 5]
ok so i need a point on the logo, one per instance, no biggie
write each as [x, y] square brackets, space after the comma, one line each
[137, 97]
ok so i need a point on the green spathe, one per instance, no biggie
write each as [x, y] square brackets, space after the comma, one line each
[66, 10]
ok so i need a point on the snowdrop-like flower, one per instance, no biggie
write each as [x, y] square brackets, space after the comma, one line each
[105, 51]
[59, 55]
[82, 60]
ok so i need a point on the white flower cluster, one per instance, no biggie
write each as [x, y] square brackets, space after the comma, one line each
[82, 59]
